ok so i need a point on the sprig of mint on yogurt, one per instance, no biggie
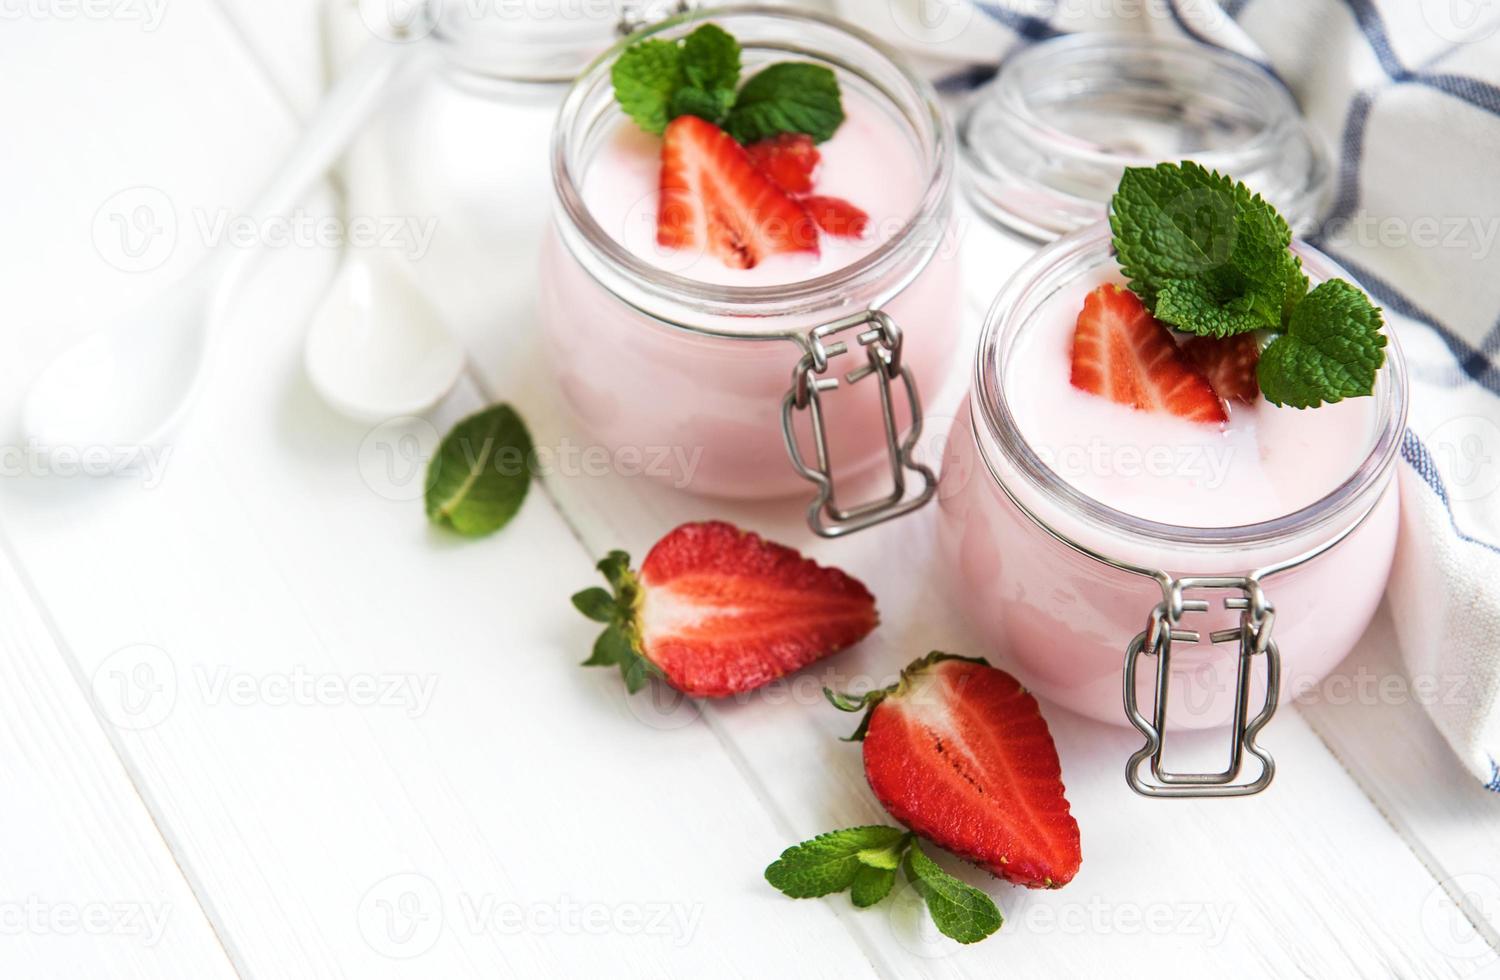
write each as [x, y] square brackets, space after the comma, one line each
[657, 80]
[1209, 257]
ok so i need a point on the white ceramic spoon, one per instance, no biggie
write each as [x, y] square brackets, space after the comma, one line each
[126, 385]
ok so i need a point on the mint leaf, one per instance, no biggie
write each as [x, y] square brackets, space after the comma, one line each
[1331, 350]
[871, 885]
[646, 76]
[705, 105]
[788, 97]
[888, 857]
[711, 60]
[1203, 252]
[596, 604]
[961, 912]
[829, 862]
[480, 473]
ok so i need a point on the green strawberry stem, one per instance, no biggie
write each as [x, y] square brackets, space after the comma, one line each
[620, 643]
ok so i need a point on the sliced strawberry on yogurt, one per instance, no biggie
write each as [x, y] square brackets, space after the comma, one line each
[714, 197]
[1123, 353]
[836, 216]
[716, 611]
[958, 751]
[789, 159]
[1228, 363]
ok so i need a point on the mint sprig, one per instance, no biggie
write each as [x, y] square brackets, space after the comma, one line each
[864, 861]
[657, 80]
[479, 476]
[618, 608]
[1210, 257]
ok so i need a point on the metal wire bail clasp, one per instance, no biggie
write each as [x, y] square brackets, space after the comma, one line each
[882, 345]
[1253, 639]
[636, 14]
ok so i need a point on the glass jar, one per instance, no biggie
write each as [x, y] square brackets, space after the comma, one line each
[1045, 142]
[1059, 582]
[755, 391]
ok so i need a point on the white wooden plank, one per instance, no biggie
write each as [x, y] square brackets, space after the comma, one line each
[90, 888]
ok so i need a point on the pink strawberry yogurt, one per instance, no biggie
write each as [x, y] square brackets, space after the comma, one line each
[673, 354]
[1158, 493]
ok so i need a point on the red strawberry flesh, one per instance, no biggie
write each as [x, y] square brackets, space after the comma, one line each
[725, 611]
[836, 216]
[713, 197]
[1123, 353]
[1228, 363]
[789, 159]
[961, 755]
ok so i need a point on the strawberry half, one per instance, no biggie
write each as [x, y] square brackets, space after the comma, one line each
[1123, 353]
[836, 216]
[712, 196]
[1228, 363]
[959, 752]
[789, 159]
[716, 611]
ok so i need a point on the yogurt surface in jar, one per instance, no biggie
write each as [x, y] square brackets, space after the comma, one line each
[1264, 462]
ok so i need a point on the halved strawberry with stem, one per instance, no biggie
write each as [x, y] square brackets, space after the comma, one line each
[789, 159]
[1228, 363]
[959, 752]
[836, 216]
[712, 196]
[716, 611]
[1122, 352]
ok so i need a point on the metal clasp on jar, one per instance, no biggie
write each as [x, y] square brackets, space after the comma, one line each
[882, 345]
[1252, 639]
[636, 14]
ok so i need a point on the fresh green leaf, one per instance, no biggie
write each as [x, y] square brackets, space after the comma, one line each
[615, 567]
[481, 472]
[596, 604]
[1332, 349]
[712, 106]
[787, 97]
[829, 862]
[646, 76]
[1203, 252]
[610, 648]
[888, 857]
[634, 668]
[961, 912]
[871, 885]
[1188, 305]
[711, 63]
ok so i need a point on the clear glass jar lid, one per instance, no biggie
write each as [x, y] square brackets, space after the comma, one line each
[517, 42]
[1044, 143]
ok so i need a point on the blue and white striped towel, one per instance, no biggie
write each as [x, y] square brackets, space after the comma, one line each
[1409, 93]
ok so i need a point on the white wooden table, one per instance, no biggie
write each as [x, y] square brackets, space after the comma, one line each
[258, 719]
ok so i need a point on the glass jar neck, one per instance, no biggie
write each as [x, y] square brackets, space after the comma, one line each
[589, 113]
[1017, 465]
[1045, 143]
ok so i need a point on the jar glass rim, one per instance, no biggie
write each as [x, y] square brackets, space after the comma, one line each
[773, 299]
[1014, 307]
[1069, 178]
